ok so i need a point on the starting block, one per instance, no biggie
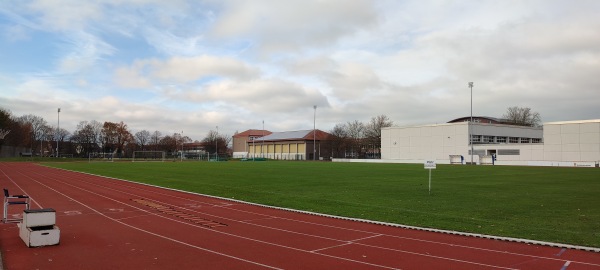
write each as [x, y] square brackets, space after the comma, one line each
[38, 228]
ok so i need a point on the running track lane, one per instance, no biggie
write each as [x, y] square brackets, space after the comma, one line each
[113, 224]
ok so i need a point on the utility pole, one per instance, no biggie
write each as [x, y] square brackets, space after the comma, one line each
[314, 133]
[58, 133]
[217, 144]
[471, 123]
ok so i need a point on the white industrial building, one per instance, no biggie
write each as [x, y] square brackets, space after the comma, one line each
[569, 143]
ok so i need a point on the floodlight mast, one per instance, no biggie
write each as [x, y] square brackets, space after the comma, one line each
[58, 132]
[471, 122]
[182, 142]
[314, 133]
[217, 144]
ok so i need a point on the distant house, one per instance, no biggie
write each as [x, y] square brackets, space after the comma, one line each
[240, 141]
[288, 145]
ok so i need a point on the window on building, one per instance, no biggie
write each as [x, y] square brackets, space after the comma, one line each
[509, 152]
[488, 139]
[524, 140]
[536, 140]
[501, 139]
[478, 152]
[513, 140]
[476, 138]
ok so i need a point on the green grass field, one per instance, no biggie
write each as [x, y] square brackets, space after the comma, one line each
[541, 203]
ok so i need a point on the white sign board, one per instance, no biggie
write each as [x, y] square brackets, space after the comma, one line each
[430, 164]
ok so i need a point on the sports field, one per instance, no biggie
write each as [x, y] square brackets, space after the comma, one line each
[540, 203]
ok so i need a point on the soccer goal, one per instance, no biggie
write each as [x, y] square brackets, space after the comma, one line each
[100, 157]
[148, 156]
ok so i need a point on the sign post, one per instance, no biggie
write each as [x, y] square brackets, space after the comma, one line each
[429, 165]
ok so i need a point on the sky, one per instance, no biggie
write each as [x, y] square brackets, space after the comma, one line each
[192, 66]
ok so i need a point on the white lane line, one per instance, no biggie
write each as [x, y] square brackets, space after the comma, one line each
[145, 231]
[204, 228]
[418, 239]
[433, 256]
[368, 237]
[20, 188]
[325, 225]
[217, 216]
[325, 248]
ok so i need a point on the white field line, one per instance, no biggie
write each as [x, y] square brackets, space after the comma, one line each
[309, 235]
[508, 239]
[145, 231]
[201, 227]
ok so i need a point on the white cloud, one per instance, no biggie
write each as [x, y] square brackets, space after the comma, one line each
[84, 51]
[62, 15]
[189, 69]
[263, 95]
[291, 25]
[234, 63]
[183, 70]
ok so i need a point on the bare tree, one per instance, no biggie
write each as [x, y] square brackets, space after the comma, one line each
[522, 116]
[5, 124]
[116, 136]
[88, 135]
[155, 139]
[338, 140]
[37, 127]
[168, 144]
[373, 129]
[356, 132]
[142, 138]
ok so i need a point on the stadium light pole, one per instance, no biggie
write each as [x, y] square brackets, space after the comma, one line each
[57, 132]
[181, 146]
[314, 133]
[471, 122]
[263, 140]
[217, 144]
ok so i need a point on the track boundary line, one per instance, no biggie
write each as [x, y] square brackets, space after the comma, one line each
[201, 227]
[146, 231]
[56, 177]
[433, 256]
[474, 235]
[318, 224]
[345, 242]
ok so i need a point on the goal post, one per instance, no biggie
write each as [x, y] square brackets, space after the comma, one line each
[139, 156]
[100, 157]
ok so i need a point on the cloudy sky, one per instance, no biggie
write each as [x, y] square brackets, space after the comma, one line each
[193, 65]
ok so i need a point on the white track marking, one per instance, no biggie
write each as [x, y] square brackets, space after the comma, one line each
[201, 227]
[300, 221]
[17, 185]
[437, 257]
[145, 231]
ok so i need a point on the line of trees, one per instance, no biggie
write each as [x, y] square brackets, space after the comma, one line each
[34, 136]
[356, 139]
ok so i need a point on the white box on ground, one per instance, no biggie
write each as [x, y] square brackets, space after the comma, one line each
[38, 228]
[40, 236]
[39, 217]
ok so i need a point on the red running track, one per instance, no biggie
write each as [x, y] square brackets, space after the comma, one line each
[114, 224]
